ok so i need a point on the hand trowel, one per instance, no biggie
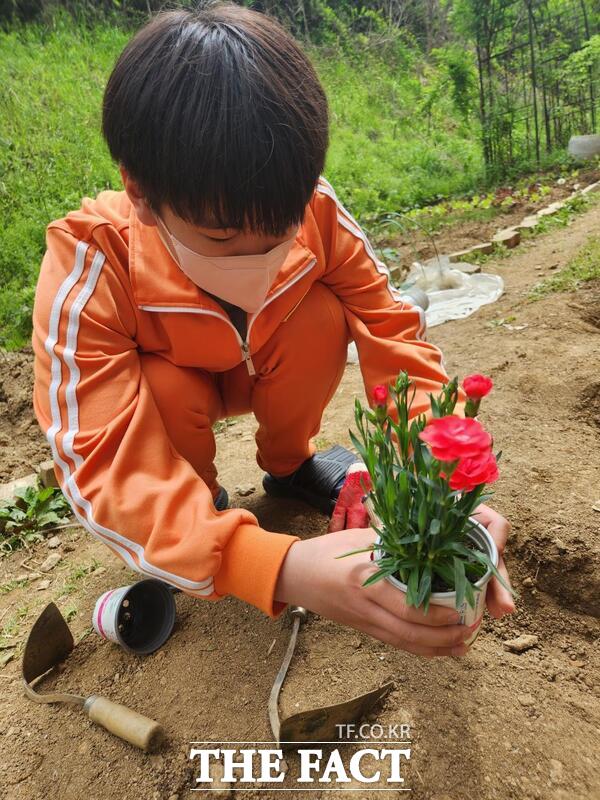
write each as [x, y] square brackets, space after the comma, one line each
[50, 641]
[316, 724]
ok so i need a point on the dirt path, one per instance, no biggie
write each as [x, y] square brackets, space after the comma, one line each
[491, 725]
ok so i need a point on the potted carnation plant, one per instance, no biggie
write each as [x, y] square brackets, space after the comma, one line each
[426, 479]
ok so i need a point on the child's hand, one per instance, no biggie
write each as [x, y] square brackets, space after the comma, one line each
[499, 601]
[312, 576]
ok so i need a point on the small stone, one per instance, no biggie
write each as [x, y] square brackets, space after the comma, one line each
[560, 545]
[521, 643]
[42, 585]
[556, 771]
[23, 576]
[69, 547]
[596, 506]
[46, 473]
[53, 542]
[245, 489]
[561, 181]
[509, 237]
[52, 560]
[526, 700]
[528, 582]
[6, 656]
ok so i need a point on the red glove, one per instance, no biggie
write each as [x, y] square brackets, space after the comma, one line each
[349, 511]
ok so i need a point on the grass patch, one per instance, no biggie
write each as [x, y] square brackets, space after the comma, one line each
[584, 267]
[11, 627]
[7, 587]
[77, 574]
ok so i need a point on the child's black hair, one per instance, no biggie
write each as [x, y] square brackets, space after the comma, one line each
[217, 113]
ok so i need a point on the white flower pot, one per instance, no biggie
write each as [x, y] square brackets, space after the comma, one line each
[468, 616]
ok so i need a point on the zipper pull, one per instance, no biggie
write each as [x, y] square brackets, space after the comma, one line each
[248, 359]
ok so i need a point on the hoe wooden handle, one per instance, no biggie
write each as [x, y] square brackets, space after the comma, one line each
[134, 728]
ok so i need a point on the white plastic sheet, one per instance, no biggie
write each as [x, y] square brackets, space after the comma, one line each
[452, 294]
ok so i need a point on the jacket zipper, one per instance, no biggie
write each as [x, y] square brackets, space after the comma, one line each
[244, 345]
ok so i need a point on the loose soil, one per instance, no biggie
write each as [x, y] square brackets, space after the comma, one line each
[493, 724]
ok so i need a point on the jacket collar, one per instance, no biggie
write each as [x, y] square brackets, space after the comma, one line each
[157, 280]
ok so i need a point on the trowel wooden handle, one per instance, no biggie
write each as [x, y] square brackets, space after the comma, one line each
[135, 728]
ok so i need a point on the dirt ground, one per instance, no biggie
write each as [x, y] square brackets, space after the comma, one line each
[493, 724]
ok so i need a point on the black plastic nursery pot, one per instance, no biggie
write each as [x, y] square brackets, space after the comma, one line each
[139, 617]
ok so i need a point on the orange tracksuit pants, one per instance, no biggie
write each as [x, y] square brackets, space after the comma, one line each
[297, 373]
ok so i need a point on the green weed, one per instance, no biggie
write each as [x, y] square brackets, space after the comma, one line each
[584, 267]
[28, 514]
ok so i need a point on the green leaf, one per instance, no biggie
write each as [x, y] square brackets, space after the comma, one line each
[378, 576]
[470, 593]
[412, 587]
[460, 581]
[424, 586]
[486, 560]
[355, 552]
[445, 572]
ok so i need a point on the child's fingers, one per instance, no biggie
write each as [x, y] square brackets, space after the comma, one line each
[499, 600]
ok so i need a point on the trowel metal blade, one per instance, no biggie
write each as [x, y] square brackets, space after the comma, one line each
[319, 724]
[49, 642]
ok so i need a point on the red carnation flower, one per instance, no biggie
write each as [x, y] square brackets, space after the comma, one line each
[472, 472]
[477, 386]
[453, 437]
[380, 395]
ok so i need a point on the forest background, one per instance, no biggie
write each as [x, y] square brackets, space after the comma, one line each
[433, 102]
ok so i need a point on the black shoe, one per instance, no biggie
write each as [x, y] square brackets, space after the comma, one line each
[317, 481]
[222, 500]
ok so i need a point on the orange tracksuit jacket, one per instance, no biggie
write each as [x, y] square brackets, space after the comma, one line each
[108, 290]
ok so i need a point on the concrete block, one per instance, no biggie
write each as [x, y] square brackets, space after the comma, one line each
[593, 187]
[485, 248]
[509, 237]
[527, 223]
[7, 490]
[550, 210]
[46, 473]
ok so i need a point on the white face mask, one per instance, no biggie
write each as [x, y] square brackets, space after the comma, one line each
[242, 280]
